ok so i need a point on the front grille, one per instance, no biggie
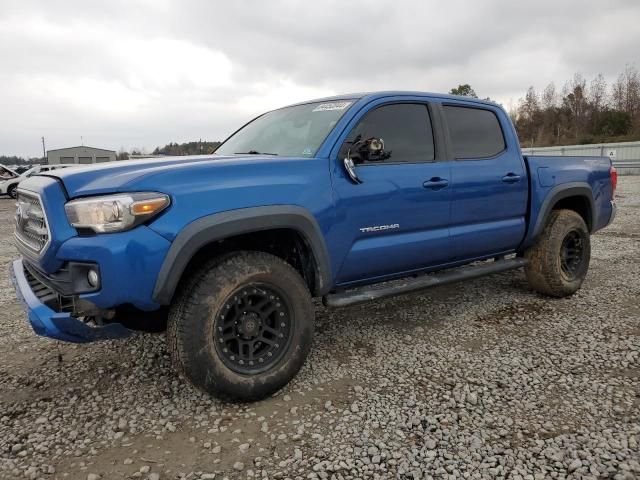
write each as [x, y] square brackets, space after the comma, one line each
[32, 230]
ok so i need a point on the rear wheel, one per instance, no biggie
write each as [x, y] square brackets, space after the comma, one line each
[242, 327]
[12, 191]
[559, 262]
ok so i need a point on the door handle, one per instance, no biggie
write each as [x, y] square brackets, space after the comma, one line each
[436, 183]
[511, 178]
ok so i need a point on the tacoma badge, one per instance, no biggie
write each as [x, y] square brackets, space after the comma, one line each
[380, 228]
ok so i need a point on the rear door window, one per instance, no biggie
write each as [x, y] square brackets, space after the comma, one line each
[474, 132]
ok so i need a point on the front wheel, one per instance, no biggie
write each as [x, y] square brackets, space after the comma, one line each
[13, 191]
[242, 326]
[559, 261]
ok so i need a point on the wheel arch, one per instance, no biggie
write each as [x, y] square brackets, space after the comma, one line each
[12, 186]
[576, 196]
[242, 223]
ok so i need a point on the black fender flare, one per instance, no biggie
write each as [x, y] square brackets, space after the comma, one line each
[559, 192]
[222, 225]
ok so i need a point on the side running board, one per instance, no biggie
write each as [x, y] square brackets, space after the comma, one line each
[407, 285]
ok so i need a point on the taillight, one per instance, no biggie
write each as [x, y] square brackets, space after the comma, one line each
[613, 174]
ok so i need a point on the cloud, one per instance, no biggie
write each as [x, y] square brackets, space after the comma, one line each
[141, 73]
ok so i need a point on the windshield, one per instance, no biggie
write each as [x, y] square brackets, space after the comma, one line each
[288, 132]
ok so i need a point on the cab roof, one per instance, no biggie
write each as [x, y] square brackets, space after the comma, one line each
[369, 96]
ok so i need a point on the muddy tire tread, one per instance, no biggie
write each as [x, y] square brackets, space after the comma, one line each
[207, 289]
[543, 271]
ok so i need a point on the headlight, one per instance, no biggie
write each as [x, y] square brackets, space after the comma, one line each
[115, 213]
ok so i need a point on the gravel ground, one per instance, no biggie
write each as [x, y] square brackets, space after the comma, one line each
[478, 380]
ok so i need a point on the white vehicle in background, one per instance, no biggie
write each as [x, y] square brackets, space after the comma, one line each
[9, 179]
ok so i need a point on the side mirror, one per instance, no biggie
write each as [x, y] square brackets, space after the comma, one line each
[371, 149]
[350, 167]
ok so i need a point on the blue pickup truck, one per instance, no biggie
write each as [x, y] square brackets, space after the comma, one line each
[349, 199]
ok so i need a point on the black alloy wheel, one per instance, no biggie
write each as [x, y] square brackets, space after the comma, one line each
[572, 254]
[253, 329]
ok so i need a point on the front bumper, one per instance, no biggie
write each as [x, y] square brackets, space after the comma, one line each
[127, 264]
[59, 325]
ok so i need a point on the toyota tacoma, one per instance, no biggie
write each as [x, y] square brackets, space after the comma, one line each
[349, 199]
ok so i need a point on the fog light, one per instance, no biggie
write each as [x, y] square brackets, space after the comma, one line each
[93, 278]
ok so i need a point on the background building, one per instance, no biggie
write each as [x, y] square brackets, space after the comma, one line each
[80, 155]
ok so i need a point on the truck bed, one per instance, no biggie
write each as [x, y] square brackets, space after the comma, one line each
[552, 178]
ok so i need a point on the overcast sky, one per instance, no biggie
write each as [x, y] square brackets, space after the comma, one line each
[142, 73]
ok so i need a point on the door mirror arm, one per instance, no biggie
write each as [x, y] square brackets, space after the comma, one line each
[350, 167]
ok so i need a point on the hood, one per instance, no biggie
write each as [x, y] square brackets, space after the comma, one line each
[118, 176]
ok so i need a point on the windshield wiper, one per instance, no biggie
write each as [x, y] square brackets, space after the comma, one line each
[254, 152]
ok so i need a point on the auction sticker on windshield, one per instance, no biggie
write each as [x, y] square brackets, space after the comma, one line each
[327, 107]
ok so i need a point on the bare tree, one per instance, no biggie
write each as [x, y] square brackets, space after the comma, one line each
[551, 124]
[632, 83]
[597, 101]
[619, 93]
[575, 102]
[549, 97]
[530, 105]
[528, 113]
[122, 154]
[597, 95]
[626, 92]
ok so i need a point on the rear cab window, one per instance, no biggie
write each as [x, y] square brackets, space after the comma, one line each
[474, 132]
[405, 129]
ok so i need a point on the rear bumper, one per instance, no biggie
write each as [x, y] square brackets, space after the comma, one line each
[59, 325]
[613, 213]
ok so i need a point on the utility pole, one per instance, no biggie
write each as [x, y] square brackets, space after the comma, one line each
[44, 152]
